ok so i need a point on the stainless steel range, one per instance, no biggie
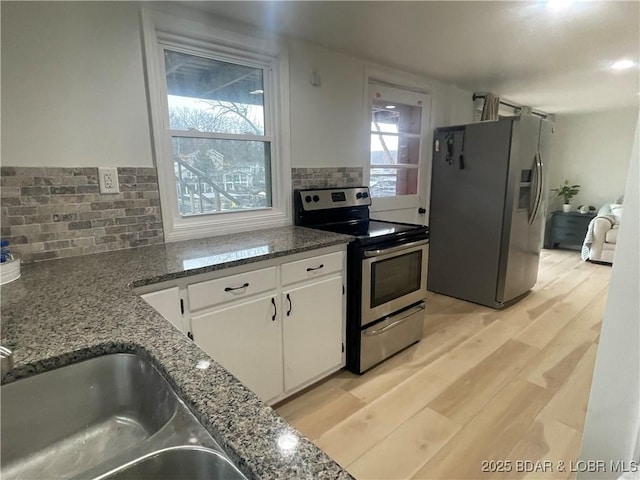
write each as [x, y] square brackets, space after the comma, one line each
[386, 272]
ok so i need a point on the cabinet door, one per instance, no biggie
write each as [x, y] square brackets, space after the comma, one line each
[313, 330]
[247, 340]
[167, 303]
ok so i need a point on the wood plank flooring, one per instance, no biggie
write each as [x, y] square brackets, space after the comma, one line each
[483, 385]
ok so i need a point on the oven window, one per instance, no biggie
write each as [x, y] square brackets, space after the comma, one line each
[395, 277]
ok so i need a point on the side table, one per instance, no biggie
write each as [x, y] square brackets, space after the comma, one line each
[566, 228]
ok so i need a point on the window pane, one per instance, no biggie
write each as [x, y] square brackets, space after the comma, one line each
[391, 150]
[389, 182]
[214, 96]
[221, 175]
[395, 117]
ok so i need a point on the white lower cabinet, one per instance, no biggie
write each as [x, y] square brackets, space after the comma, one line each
[167, 303]
[247, 340]
[312, 331]
[278, 327]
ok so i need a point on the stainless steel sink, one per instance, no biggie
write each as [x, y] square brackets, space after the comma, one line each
[90, 418]
[193, 463]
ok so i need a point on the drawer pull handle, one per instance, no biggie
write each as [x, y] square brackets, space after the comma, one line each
[311, 269]
[275, 309]
[230, 289]
[409, 314]
[289, 300]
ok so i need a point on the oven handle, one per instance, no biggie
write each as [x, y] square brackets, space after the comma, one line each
[410, 313]
[385, 251]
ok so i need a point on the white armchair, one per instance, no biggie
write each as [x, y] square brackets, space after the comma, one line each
[602, 235]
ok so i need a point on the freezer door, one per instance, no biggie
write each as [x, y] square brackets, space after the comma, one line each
[523, 220]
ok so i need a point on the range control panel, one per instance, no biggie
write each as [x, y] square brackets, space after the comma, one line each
[328, 198]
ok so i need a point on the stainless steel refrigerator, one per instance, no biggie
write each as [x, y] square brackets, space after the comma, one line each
[487, 209]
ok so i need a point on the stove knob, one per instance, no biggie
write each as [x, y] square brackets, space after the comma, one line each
[307, 199]
[316, 198]
[365, 195]
[359, 195]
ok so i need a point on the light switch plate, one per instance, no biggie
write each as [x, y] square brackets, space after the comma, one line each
[108, 180]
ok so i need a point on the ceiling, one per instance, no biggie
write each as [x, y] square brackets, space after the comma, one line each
[553, 58]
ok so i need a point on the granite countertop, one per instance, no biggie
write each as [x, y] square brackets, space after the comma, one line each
[63, 311]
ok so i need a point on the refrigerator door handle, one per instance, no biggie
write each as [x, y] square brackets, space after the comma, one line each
[542, 185]
[534, 191]
[540, 189]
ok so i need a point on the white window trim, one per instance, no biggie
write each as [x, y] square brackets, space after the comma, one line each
[160, 28]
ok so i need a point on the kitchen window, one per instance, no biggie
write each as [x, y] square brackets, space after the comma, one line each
[217, 122]
[215, 99]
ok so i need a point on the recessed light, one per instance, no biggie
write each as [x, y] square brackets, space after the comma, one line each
[623, 64]
[390, 107]
[256, 92]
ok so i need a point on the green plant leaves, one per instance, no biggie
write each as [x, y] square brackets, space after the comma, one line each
[567, 191]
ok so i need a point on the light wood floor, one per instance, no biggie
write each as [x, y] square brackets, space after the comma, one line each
[482, 385]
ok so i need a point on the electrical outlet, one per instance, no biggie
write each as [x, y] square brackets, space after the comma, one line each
[108, 179]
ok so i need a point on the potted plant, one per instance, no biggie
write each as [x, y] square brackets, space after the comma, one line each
[568, 192]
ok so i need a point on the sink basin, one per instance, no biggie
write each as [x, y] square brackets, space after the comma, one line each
[193, 463]
[89, 418]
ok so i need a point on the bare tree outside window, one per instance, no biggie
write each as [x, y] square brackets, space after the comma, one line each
[222, 157]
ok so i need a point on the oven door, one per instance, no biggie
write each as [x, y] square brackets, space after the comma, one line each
[392, 278]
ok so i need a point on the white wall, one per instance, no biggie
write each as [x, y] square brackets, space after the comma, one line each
[327, 121]
[460, 107]
[73, 91]
[611, 430]
[592, 150]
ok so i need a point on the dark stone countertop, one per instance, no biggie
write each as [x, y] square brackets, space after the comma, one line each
[63, 311]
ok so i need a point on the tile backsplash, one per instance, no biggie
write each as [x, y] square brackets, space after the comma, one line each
[59, 212]
[326, 177]
[56, 212]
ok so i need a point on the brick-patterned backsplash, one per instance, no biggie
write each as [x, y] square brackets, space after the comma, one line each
[56, 212]
[326, 177]
[59, 212]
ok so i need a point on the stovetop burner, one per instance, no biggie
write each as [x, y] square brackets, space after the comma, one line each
[369, 231]
[378, 228]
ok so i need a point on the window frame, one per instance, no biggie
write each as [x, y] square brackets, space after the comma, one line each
[163, 31]
[405, 96]
[266, 69]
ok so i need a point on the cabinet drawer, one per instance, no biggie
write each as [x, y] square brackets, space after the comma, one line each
[571, 222]
[301, 270]
[214, 292]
